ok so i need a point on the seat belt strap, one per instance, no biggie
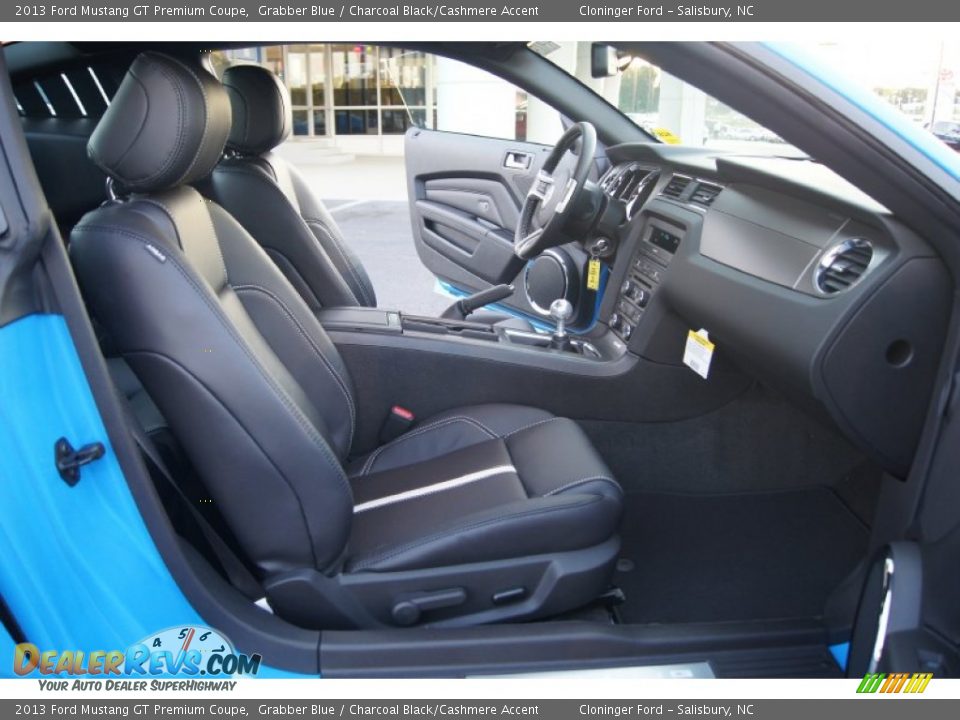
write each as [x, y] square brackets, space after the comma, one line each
[236, 570]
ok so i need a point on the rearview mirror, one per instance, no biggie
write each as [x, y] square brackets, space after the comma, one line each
[604, 61]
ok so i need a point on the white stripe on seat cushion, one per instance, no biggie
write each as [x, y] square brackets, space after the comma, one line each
[435, 488]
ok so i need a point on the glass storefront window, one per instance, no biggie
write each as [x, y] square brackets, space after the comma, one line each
[356, 122]
[354, 75]
[297, 77]
[317, 78]
[272, 58]
[369, 90]
[301, 123]
[396, 122]
[403, 77]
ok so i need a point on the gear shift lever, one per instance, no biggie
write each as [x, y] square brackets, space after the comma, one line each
[561, 311]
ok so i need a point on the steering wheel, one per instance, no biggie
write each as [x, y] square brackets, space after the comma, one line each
[553, 193]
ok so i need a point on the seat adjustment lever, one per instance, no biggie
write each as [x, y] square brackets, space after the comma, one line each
[408, 611]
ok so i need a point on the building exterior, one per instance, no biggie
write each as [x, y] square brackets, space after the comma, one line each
[362, 98]
[366, 96]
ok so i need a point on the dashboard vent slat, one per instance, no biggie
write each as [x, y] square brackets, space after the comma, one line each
[843, 265]
[705, 194]
[676, 187]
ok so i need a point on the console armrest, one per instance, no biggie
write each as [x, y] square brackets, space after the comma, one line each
[360, 319]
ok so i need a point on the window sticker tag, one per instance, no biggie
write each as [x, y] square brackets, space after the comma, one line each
[698, 352]
[593, 274]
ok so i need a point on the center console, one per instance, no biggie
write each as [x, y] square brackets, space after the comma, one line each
[373, 322]
[656, 248]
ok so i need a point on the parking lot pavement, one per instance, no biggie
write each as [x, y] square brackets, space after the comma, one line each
[363, 177]
[379, 232]
[368, 198]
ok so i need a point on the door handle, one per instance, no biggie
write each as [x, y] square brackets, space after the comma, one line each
[516, 160]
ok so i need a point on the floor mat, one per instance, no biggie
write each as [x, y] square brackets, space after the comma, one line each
[710, 558]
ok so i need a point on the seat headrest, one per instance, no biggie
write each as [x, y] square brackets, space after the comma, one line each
[262, 118]
[166, 126]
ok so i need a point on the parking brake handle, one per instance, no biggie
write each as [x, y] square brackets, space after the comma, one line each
[464, 306]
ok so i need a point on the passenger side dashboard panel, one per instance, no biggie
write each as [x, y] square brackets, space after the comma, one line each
[749, 257]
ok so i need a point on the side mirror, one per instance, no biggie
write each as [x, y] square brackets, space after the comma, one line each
[604, 61]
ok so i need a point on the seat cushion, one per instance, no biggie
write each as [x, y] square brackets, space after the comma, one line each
[479, 484]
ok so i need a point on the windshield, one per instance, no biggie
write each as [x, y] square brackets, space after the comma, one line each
[672, 110]
[919, 80]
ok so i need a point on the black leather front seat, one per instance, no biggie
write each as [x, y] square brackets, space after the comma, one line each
[476, 515]
[271, 199]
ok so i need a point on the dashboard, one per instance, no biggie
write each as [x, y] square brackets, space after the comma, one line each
[799, 278]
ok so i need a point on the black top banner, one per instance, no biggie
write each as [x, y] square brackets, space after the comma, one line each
[482, 11]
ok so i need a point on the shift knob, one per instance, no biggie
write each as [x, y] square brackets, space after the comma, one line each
[561, 311]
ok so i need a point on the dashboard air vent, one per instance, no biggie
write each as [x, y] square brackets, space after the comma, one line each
[705, 194]
[842, 266]
[624, 183]
[629, 183]
[676, 187]
[609, 180]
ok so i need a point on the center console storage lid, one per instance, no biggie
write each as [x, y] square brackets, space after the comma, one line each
[360, 319]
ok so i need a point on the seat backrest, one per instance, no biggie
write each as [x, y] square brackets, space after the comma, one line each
[273, 201]
[237, 363]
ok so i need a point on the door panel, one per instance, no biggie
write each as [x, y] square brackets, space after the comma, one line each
[465, 195]
[483, 249]
[486, 199]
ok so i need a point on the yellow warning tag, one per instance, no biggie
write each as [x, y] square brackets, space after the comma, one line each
[699, 352]
[593, 274]
[666, 135]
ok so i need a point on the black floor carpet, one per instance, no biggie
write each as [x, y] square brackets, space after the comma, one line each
[710, 558]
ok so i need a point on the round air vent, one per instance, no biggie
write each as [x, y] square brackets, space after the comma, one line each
[842, 266]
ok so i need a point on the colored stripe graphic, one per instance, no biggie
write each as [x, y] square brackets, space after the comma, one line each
[894, 683]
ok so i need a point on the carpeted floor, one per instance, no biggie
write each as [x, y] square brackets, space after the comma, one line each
[758, 442]
[743, 556]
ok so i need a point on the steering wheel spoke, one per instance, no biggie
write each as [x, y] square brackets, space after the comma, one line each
[542, 186]
[568, 193]
[551, 196]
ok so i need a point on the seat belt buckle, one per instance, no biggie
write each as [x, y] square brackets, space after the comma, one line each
[398, 421]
